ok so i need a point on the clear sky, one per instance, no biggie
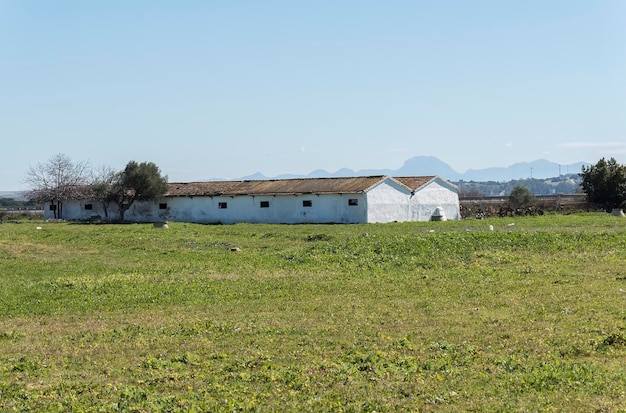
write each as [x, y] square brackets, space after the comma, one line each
[209, 89]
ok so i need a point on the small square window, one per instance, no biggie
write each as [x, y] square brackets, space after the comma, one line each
[88, 207]
[162, 206]
[53, 207]
[307, 203]
[265, 204]
[353, 202]
[222, 205]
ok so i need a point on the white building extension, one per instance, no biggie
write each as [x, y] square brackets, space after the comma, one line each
[289, 201]
[429, 193]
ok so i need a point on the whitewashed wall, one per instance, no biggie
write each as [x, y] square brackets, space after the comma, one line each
[286, 209]
[75, 210]
[437, 194]
[388, 202]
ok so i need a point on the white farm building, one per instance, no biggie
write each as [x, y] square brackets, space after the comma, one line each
[368, 199]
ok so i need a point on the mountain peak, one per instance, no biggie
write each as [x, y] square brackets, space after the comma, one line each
[427, 165]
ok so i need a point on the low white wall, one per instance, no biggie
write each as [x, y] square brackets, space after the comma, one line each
[287, 209]
[75, 211]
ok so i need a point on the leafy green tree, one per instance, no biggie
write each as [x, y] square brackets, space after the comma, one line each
[521, 197]
[138, 182]
[605, 184]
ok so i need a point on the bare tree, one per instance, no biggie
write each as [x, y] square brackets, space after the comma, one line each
[56, 181]
[102, 186]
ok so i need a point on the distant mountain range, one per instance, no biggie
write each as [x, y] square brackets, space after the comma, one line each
[430, 165]
[426, 166]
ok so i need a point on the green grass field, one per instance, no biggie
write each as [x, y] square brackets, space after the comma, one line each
[446, 316]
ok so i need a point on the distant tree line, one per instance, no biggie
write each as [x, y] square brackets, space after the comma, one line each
[604, 185]
[11, 203]
[60, 179]
[566, 184]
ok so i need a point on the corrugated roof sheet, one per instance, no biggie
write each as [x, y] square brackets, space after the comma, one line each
[301, 186]
[414, 182]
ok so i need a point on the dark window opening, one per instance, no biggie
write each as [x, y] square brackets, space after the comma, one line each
[307, 203]
[53, 207]
[265, 204]
[353, 202]
[222, 205]
[162, 206]
[88, 207]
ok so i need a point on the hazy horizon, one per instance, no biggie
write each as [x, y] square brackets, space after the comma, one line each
[563, 171]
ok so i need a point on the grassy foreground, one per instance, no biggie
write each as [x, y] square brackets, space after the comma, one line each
[447, 316]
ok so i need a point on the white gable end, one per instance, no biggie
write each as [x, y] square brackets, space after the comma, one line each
[435, 194]
[388, 202]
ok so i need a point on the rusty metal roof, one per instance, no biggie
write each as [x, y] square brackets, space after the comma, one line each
[414, 182]
[301, 186]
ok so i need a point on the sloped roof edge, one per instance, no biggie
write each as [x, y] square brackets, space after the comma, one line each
[415, 183]
[294, 186]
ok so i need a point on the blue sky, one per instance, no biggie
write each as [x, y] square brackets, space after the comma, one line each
[224, 89]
